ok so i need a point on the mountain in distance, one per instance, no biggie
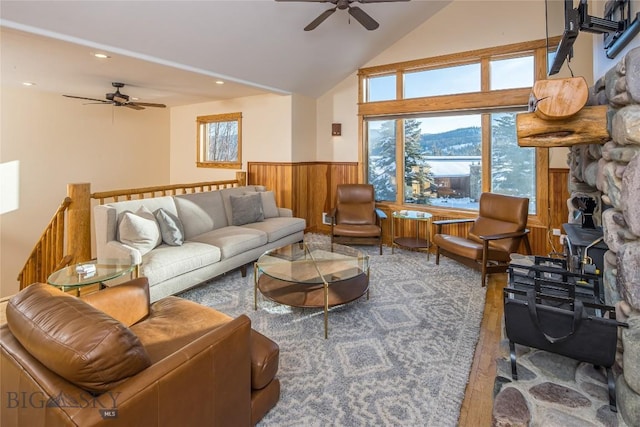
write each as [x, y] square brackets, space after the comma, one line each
[458, 142]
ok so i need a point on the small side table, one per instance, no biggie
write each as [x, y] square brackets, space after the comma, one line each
[68, 278]
[412, 242]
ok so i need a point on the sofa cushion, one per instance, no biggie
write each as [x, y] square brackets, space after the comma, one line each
[173, 323]
[166, 262]
[246, 209]
[200, 212]
[277, 228]
[233, 240]
[74, 339]
[139, 230]
[171, 227]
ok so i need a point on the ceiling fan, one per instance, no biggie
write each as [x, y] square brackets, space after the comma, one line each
[119, 99]
[360, 15]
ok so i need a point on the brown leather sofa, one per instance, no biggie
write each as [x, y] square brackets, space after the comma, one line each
[113, 359]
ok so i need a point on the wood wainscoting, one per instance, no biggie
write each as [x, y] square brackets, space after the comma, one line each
[308, 188]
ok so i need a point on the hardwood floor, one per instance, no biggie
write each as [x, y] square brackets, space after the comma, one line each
[478, 399]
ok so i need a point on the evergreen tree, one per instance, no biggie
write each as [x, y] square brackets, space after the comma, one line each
[382, 161]
[512, 166]
[416, 168]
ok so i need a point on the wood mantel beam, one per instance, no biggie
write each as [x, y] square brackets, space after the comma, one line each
[588, 126]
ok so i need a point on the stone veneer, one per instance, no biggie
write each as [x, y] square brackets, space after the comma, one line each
[554, 390]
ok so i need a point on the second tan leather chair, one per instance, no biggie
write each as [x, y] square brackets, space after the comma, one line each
[495, 234]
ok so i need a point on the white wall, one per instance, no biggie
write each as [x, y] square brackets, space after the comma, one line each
[339, 105]
[266, 135]
[602, 64]
[303, 125]
[60, 141]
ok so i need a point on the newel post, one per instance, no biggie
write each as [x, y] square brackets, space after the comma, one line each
[79, 222]
[241, 177]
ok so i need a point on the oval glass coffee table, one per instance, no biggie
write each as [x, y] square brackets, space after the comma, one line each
[312, 275]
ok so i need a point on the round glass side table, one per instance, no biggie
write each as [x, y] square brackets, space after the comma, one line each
[83, 274]
[412, 242]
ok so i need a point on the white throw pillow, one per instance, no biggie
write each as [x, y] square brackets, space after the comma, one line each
[139, 230]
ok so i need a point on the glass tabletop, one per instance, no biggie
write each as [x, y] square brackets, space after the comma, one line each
[84, 274]
[313, 263]
[412, 215]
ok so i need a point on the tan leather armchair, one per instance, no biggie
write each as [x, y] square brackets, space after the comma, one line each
[355, 219]
[114, 359]
[494, 235]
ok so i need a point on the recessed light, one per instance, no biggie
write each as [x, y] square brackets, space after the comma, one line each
[219, 82]
[28, 84]
[101, 55]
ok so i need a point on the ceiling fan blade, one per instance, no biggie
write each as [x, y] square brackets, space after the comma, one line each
[131, 105]
[88, 99]
[147, 104]
[313, 1]
[377, 1]
[362, 17]
[324, 15]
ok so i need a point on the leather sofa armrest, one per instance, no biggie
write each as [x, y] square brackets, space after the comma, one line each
[127, 302]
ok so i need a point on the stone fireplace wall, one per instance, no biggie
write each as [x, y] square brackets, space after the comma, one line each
[611, 173]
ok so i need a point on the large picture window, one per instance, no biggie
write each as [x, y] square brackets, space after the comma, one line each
[447, 132]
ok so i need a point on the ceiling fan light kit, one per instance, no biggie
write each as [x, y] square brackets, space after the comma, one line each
[119, 99]
[358, 14]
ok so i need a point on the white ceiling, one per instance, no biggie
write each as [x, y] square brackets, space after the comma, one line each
[173, 51]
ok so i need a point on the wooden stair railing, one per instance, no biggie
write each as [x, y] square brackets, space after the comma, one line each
[49, 255]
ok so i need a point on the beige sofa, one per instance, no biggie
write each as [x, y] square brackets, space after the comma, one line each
[184, 240]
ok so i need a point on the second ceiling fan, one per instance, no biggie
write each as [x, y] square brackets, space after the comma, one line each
[360, 15]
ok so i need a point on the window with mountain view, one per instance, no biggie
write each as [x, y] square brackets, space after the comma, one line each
[455, 128]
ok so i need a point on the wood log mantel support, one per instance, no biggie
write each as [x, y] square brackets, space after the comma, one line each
[587, 126]
[559, 117]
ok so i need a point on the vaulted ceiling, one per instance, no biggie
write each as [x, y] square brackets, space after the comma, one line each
[174, 51]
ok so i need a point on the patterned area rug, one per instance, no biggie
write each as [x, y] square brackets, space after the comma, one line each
[400, 358]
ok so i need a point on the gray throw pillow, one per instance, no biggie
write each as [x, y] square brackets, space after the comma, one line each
[170, 227]
[246, 209]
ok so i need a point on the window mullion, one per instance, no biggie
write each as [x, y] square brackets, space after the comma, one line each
[400, 161]
[486, 153]
[485, 76]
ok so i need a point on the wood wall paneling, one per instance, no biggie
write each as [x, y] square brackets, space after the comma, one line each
[309, 190]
